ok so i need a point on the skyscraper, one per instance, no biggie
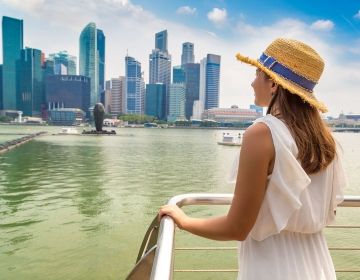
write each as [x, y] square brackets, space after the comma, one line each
[118, 87]
[199, 105]
[178, 74]
[160, 65]
[30, 97]
[212, 84]
[1, 88]
[88, 62]
[187, 55]
[155, 101]
[161, 41]
[64, 64]
[176, 102]
[192, 78]
[12, 38]
[101, 52]
[134, 86]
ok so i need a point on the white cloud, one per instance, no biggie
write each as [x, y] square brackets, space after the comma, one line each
[217, 16]
[28, 6]
[357, 15]
[186, 10]
[323, 25]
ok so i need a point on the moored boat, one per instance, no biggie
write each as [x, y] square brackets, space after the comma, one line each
[69, 131]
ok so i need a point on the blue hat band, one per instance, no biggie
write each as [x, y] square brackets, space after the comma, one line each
[275, 66]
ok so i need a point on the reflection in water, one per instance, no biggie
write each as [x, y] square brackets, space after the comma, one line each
[77, 207]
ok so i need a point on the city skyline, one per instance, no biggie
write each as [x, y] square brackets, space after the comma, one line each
[220, 27]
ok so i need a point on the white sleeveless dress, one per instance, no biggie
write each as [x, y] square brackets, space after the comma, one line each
[286, 241]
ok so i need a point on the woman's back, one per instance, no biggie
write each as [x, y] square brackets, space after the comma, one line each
[286, 240]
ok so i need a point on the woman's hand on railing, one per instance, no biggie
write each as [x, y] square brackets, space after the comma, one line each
[175, 213]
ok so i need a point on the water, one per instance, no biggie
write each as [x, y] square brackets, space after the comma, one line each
[77, 207]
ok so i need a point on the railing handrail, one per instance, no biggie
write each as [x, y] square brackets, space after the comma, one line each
[164, 256]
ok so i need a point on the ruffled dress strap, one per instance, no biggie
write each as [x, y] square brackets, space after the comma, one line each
[285, 186]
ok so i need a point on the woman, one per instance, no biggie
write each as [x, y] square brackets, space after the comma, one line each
[289, 178]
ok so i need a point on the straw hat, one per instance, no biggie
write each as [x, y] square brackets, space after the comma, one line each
[293, 65]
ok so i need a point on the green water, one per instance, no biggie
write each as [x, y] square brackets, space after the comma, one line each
[77, 207]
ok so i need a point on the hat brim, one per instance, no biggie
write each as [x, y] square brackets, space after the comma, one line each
[305, 95]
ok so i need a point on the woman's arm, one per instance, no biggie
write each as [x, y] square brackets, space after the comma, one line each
[256, 161]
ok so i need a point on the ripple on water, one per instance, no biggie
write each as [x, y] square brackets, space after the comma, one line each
[77, 207]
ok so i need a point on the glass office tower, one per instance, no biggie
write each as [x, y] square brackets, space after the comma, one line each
[12, 38]
[89, 60]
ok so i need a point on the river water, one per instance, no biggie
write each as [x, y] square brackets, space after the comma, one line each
[77, 207]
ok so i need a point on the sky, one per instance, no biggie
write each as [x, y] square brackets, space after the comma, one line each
[219, 27]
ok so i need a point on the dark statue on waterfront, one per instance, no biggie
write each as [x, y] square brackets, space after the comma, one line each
[99, 113]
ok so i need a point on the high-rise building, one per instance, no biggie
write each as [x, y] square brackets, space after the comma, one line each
[89, 60]
[1, 89]
[30, 96]
[155, 101]
[64, 64]
[48, 67]
[160, 65]
[68, 91]
[107, 103]
[192, 80]
[118, 88]
[161, 41]
[199, 105]
[212, 85]
[187, 55]
[12, 39]
[178, 74]
[101, 52]
[134, 86]
[176, 102]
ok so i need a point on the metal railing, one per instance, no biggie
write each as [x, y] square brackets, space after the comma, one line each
[156, 253]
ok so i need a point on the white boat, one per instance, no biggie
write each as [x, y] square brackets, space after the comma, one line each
[230, 140]
[69, 131]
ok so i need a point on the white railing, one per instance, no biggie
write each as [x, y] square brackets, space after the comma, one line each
[159, 259]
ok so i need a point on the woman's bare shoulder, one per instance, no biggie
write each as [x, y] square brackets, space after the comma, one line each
[258, 138]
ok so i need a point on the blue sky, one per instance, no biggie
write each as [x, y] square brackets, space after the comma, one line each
[221, 27]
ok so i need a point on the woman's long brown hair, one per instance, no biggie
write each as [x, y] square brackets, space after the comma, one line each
[316, 146]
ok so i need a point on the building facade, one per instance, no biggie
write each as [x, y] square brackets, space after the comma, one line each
[89, 60]
[118, 97]
[187, 55]
[176, 102]
[192, 80]
[1, 88]
[212, 83]
[160, 64]
[101, 51]
[12, 42]
[161, 42]
[64, 64]
[155, 101]
[135, 87]
[231, 115]
[258, 109]
[68, 91]
[66, 116]
[30, 90]
[178, 75]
